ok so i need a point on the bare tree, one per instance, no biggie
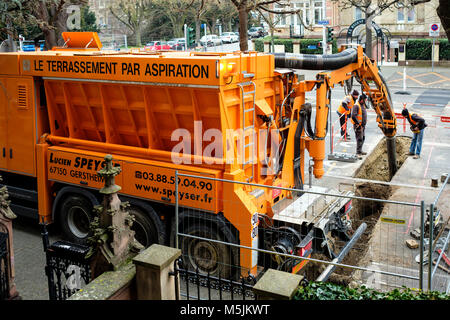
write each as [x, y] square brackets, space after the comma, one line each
[273, 17]
[51, 17]
[244, 7]
[372, 8]
[199, 7]
[133, 14]
[177, 12]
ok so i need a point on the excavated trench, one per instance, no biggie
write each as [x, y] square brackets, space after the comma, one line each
[374, 167]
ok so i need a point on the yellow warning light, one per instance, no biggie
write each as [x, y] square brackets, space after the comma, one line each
[231, 67]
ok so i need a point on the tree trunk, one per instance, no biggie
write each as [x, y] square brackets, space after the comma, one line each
[50, 38]
[369, 34]
[137, 32]
[198, 26]
[61, 25]
[272, 45]
[243, 26]
[443, 12]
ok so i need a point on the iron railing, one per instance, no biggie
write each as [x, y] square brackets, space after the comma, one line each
[67, 268]
[4, 272]
[201, 286]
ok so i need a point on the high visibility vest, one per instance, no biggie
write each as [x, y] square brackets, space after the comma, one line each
[359, 115]
[341, 108]
[414, 123]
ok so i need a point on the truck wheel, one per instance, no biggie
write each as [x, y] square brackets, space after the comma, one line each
[207, 256]
[75, 218]
[147, 226]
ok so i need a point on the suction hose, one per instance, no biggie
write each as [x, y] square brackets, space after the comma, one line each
[316, 61]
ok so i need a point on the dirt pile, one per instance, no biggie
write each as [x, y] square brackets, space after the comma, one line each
[375, 167]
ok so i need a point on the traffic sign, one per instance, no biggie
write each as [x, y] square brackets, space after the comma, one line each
[434, 29]
[323, 22]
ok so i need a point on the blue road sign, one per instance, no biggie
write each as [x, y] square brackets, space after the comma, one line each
[323, 22]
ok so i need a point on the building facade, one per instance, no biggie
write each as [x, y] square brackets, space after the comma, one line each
[393, 26]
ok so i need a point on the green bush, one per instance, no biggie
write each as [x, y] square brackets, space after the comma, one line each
[330, 291]
[419, 49]
[444, 50]
[259, 45]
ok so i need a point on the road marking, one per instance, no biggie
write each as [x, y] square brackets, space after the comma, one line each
[331, 167]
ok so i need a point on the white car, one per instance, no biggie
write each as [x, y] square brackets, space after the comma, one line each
[210, 40]
[229, 37]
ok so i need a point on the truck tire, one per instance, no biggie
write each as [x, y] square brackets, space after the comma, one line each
[206, 256]
[147, 226]
[75, 217]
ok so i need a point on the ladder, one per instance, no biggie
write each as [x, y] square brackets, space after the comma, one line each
[250, 114]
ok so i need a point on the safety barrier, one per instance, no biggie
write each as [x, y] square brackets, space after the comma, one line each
[213, 246]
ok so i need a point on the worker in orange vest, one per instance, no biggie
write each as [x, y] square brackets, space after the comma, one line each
[359, 120]
[344, 110]
[417, 125]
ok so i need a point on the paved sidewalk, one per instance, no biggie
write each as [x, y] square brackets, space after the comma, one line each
[417, 77]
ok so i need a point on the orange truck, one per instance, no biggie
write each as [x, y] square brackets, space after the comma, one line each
[63, 110]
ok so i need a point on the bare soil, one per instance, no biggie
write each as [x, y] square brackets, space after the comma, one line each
[375, 167]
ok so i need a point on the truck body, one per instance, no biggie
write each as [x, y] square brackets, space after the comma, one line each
[208, 115]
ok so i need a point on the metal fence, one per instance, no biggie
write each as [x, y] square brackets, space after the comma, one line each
[199, 286]
[379, 258]
[4, 272]
[67, 269]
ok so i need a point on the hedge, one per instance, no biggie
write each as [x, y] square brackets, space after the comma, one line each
[444, 50]
[418, 49]
[289, 45]
[330, 291]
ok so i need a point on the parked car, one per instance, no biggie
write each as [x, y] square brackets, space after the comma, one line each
[229, 37]
[178, 44]
[28, 45]
[210, 40]
[156, 45]
[257, 32]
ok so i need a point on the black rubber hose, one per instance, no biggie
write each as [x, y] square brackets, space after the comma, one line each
[316, 61]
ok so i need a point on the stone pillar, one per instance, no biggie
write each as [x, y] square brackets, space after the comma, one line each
[153, 266]
[279, 48]
[402, 53]
[277, 285]
[435, 51]
[266, 46]
[296, 47]
[6, 217]
[112, 241]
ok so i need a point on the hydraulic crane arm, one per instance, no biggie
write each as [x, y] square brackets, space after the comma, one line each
[349, 63]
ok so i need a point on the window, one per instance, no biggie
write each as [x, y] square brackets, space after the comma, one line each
[318, 11]
[358, 14]
[411, 15]
[304, 13]
[280, 19]
[406, 14]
